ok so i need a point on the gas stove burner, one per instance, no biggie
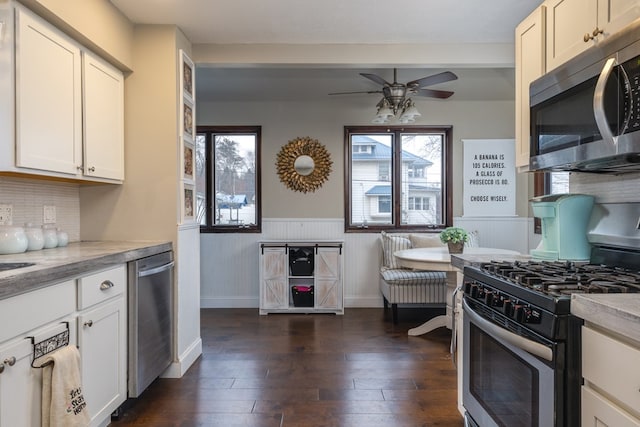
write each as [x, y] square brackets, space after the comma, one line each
[561, 278]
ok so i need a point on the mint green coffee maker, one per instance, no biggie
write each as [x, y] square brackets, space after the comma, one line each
[564, 220]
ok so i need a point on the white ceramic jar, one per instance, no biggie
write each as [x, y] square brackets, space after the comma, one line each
[34, 237]
[13, 240]
[50, 236]
[63, 238]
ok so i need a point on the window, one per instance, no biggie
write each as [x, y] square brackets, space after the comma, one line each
[418, 203]
[546, 183]
[401, 182]
[229, 185]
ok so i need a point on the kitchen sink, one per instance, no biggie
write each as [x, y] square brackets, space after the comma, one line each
[13, 265]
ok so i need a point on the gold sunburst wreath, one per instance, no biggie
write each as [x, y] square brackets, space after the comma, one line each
[286, 164]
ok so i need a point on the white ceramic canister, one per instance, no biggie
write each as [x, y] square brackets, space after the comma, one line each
[63, 238]
[50, 236]
[13, 240]
[34, 236]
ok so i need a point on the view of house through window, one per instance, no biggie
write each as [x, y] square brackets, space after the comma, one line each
[396, 177]
[230, 201]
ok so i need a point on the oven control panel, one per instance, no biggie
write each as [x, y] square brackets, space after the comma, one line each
[514, 309]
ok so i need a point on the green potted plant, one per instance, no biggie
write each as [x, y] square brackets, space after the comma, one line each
[454, 237]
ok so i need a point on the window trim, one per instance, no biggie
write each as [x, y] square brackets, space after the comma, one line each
[209, 227]
[447, 185]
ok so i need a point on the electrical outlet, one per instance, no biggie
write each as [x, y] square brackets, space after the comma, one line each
[49, 214]
[6, 214]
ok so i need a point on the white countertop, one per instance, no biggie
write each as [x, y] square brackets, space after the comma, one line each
[619, 313]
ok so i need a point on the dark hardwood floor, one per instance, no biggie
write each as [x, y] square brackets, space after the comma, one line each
[297, 370]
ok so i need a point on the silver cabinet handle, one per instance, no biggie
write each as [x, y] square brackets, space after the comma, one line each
[107, 284]
[91, 169]
[10, 361]
[88, 323]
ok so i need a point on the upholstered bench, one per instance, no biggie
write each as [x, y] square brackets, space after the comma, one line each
[405, 286]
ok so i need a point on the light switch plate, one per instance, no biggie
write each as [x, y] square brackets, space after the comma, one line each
[6, 214]
[49, 214]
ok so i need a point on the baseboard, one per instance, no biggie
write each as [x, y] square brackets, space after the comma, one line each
[229, 302]
[359, 302]
[186, 359]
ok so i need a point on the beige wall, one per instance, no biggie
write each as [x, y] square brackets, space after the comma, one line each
[325, 121]
[95, 23]
[145, 206]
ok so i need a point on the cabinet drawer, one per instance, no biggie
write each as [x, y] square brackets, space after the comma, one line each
[612, 366]
[597, 411]
[25, 312]
[101, 286]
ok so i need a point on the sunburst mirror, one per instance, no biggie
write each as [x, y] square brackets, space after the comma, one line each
[304, 164]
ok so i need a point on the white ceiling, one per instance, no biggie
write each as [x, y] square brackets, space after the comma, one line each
[336, 22]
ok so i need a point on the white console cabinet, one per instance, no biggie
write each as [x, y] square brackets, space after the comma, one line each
[301, 276]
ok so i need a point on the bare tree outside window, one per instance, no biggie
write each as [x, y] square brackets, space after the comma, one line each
[232, 196]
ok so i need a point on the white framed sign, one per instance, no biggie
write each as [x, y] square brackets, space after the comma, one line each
[489, 177]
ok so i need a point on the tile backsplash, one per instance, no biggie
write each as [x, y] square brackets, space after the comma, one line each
[607, 188]
[28, 196]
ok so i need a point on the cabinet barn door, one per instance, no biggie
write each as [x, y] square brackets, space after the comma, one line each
[274, 289]
[328, 287]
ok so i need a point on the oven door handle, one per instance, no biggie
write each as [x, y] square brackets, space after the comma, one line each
[496, 331]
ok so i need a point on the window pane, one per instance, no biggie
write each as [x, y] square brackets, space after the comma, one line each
[559, 182]
[421, 174]
[370, 187]
[201, 179]
[234, 179]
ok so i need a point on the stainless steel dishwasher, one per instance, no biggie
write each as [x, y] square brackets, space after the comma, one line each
[150, 319]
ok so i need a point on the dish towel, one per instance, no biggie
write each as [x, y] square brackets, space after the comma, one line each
[63, 404]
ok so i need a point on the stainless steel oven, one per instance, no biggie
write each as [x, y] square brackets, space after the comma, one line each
[509, 380]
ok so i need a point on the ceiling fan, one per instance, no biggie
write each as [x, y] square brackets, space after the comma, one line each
[397, 94]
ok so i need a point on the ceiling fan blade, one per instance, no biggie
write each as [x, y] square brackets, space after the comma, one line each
[432, 93]
[434, 79]
[351, 93]
[376, 79]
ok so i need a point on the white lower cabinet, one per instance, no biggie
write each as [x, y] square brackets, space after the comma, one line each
[301, 276]
[102, 341]
[611, 390]
[93, 308]
[102, 338]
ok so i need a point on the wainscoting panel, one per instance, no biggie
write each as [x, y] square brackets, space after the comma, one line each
[229, 262]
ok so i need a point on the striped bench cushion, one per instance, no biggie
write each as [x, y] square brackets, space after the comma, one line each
[401, 286]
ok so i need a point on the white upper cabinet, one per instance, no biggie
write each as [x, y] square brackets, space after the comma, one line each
[530, 64]
[48, 94]
[575, 25]
[69, 109]
[103, 119]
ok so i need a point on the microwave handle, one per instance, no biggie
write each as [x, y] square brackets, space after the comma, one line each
[598, 102]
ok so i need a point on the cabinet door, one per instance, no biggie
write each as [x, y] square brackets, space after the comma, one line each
[103, 119]
[273, 279]
[102, 339]
[20, 386]
[530, 60]
[598, 412]
[328, 278]
[615, 14]
[48, 97]
[567, 23]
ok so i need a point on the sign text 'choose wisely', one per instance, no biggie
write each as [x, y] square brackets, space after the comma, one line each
[489, 177]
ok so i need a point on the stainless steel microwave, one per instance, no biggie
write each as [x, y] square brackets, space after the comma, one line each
[585, 114]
